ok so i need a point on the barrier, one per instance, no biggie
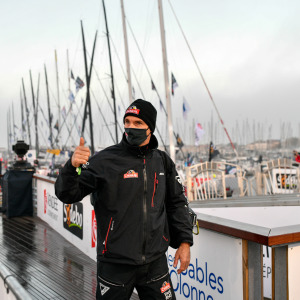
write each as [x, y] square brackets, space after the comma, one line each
[10, 288]
[211, 180]
[75, 222]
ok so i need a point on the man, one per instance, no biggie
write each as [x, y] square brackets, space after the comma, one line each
[139, 205]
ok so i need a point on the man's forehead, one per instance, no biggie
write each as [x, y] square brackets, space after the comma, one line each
[132, 119]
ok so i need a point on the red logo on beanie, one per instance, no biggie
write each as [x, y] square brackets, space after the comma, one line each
[132, 110]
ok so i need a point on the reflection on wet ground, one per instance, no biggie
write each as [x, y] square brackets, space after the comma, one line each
[47, 265]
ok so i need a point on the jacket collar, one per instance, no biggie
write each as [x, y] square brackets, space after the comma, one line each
[140, 151]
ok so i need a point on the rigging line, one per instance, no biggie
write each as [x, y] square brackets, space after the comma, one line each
[161, 103]
[76, 51]
[119, 94]
[150, 18]
[111, 135]
[103, 90]
[137, 82]
[118, 57]
[207, 89]
[45, 140]
[105, 95]
[69, 110]
[75, 124]
[121, 69]
[61, 126]
[42, 113]
[78, 131]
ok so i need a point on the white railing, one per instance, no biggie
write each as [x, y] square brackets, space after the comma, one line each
[210, 180]
[281, 176]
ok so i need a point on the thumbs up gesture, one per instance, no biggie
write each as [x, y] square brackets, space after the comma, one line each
[80, 155]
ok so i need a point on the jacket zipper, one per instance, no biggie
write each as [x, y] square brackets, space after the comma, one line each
[154, 190]
[105, 246]
[144, 212]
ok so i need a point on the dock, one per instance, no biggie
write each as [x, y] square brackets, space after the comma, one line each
[46, 264]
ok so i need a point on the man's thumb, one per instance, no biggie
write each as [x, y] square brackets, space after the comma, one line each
[81, 141]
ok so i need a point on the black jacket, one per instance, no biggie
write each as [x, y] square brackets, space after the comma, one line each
[138, 203]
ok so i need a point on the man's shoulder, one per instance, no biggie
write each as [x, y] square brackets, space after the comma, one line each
[108, 151]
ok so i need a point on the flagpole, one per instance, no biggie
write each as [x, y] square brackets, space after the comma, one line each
[166, 77]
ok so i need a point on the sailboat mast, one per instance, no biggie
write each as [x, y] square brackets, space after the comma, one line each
[88, 99]
[22, 116]
[58, 99]
[69, 88]
[7, 129]
[27, 113]
[166, 76]
[126, 53]
[36, 118]
[14, 124]
[49, 109]
[34, 115]
[111, 73]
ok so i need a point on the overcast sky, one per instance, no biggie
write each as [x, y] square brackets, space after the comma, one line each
[248, 52]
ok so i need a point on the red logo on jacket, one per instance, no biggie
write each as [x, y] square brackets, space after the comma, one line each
[165, 287]
[131, 174]
[132, 110]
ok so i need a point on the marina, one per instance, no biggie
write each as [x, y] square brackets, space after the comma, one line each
[199, 66]
[51, 263]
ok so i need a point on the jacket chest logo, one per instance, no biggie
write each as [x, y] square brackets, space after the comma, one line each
[131, 174]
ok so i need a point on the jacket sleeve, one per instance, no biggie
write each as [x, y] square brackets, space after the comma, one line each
[177, 208]
[71, 187]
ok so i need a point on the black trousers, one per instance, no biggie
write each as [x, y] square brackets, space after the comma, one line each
[117, 281]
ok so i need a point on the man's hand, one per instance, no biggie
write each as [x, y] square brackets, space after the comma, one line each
[183, 254]
[81, 154]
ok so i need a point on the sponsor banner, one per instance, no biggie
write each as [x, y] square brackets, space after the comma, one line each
[51, 210]
[215, 271]
[50, 205]
[73, 218]
[94, 229]
[267, 271]
[284, 180]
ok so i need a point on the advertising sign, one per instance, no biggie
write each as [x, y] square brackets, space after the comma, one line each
[73, 218]
[294, 271]
[284, 180]
[267, 271]
[75, 222]
[50, 205]
[215, 271]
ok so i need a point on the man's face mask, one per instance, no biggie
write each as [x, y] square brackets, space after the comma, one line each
[136, 136]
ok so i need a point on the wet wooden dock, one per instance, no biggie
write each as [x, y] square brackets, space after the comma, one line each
[47, 265]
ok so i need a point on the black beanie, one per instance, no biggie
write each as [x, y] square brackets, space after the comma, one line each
[143, 110]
